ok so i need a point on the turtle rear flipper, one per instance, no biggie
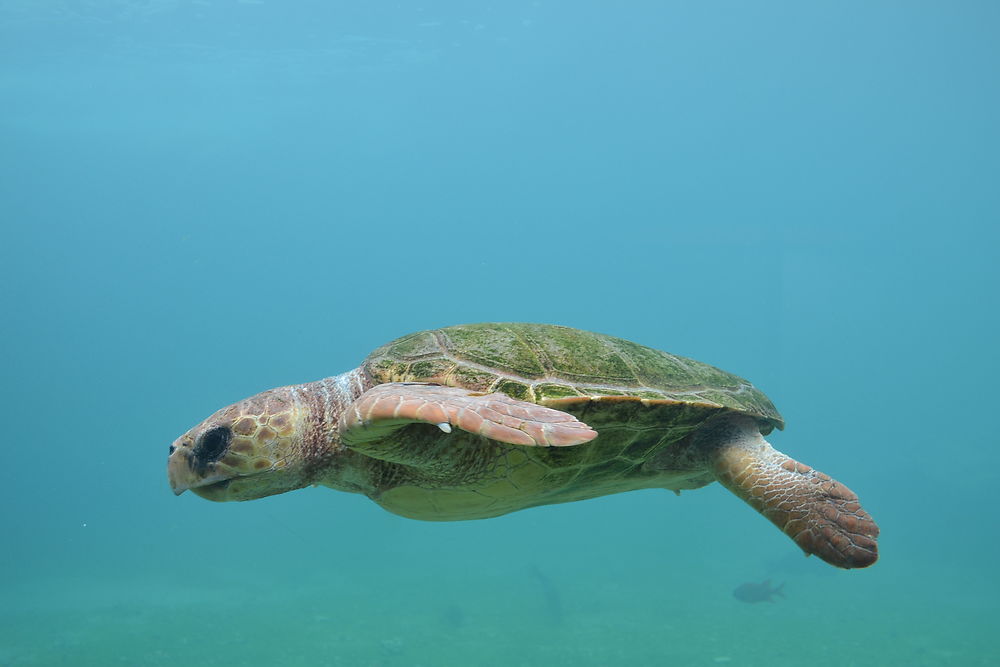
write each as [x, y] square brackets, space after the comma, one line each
[384, 409]
[820, 514]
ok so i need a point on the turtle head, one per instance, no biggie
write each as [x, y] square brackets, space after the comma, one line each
[251, 449]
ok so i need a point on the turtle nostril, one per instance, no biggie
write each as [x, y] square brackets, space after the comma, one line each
[172, 449]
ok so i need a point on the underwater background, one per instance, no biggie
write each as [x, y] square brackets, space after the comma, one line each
[204, 199]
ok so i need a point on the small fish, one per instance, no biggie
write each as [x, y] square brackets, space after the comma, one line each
[553, 602]
[762, 592]
[453, 616]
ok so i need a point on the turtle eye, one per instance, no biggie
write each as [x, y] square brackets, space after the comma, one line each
[213, 444]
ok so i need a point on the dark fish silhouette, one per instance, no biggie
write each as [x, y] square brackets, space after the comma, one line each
[762, 592]
[553, 602]
[453, 616]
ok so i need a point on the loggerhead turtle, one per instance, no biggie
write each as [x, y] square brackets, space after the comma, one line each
[478, 420]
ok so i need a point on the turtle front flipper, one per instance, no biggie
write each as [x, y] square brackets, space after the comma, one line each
[386, 408]
[820, 514]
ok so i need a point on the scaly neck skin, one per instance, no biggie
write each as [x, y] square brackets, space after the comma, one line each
[322, 402]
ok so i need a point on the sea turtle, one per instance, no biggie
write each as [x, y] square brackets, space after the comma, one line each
[478, 420]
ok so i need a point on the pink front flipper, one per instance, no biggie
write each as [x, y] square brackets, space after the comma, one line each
[495, 416]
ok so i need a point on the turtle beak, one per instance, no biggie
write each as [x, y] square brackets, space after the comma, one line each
[181, 469]
[180, 473]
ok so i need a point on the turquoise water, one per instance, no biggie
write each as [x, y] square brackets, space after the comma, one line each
[202, 200]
